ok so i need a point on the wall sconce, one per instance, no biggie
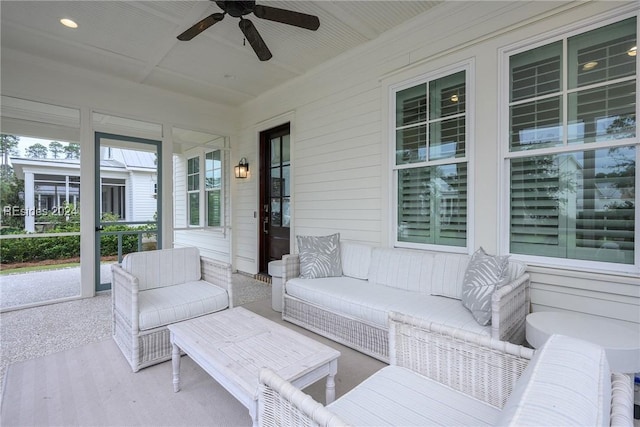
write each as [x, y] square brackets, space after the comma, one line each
[242, 169]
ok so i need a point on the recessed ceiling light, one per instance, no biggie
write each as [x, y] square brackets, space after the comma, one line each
[68, 23]
[633, 51]
[590, 65]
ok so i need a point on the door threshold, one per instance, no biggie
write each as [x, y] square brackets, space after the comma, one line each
[263, 277]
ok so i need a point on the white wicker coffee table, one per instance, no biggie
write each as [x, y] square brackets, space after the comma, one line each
[233, 345]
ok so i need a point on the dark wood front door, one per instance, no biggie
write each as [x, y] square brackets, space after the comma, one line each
[275, 194]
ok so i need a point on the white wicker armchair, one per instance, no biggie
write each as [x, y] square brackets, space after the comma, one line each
[443, 376]
[153, 289]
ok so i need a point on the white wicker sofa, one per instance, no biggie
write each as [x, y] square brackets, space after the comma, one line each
[449, 377]
[153, 289]
[353, 309]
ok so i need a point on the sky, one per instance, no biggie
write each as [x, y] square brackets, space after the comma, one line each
[26, 142]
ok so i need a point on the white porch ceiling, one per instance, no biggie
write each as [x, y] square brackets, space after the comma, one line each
[136, 41]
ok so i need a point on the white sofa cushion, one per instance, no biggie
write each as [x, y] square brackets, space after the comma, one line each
[396, 396]
[406, 269]
[448, 273]
[165, 267]
[372, 303]
[356, 259]
[170, 304]
[567, 382]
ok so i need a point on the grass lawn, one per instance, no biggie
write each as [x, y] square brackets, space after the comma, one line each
[36, 267]
[54, 264]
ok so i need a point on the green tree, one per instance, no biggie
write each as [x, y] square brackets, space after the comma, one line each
[56, 149]
[8, 147]
[37, 151]
[72, 151]
[10, 188]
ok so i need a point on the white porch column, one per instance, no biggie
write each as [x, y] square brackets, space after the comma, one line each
[87, 202]
[29, 202]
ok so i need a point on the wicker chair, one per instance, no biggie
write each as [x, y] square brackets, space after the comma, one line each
[153, 289]
[443, 376]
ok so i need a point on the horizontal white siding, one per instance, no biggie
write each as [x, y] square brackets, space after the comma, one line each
[604, 295]
[340, 139]
[212, 243]
[143, 205]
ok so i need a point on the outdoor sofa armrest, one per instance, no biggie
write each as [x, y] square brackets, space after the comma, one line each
[510, 305]
[282, 404]
[291, 267]
[124, 295]
[621, 400]
[479, 366]
[217, 273]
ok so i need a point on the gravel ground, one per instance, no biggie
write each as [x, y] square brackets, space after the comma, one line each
[37, 286]
[34, 332]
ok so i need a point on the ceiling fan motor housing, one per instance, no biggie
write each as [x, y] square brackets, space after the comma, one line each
[237, 9]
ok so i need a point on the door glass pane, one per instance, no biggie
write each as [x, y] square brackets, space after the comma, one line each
[276, 156]
[286, 149]
[286, 181]
[286, 214]
[276, 213]
[276, 182]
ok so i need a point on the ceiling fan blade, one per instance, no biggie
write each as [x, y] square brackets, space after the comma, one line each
[201, 26]
[255, 40]
[297, 19]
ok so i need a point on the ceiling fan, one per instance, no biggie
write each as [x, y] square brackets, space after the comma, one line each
[238, 9]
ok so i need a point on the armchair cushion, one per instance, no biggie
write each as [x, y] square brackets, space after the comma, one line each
[165, 267]
[170, 304]
[567, 382]
[398, 396]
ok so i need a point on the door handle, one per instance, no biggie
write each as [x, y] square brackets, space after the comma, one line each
[99, 228]
[264, 225]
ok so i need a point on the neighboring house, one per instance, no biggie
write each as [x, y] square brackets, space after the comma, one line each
[128, 188]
